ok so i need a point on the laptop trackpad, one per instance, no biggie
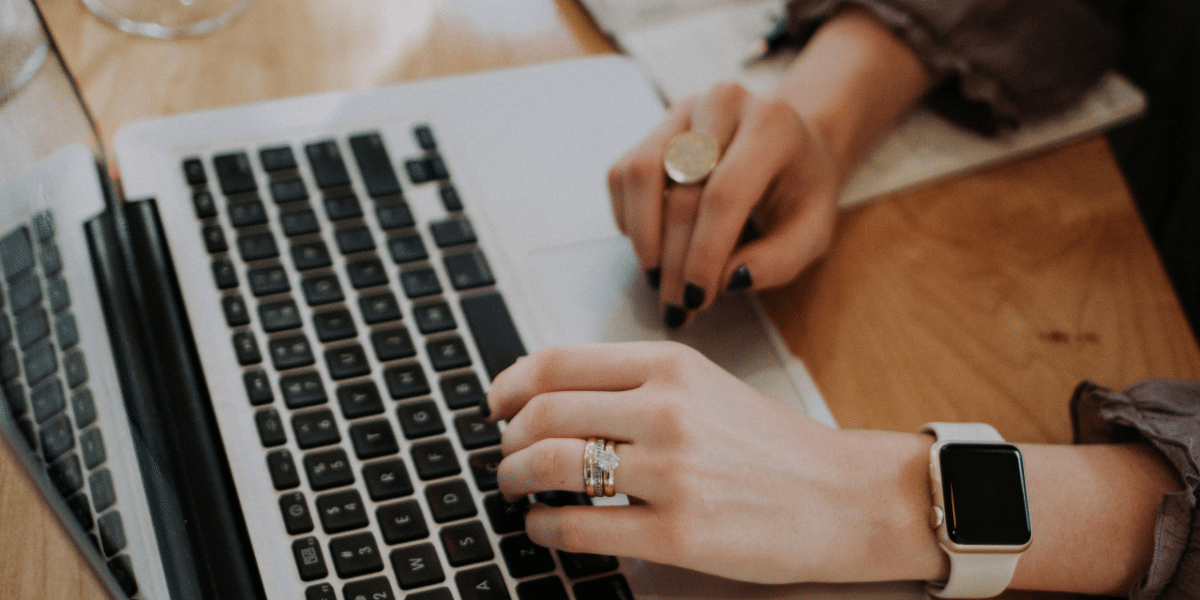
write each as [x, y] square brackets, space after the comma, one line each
[595, 292]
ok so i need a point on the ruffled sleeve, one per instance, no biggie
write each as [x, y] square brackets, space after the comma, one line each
[1165, 414]
[1004, 62]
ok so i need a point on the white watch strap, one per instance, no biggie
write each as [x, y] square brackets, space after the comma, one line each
[972, 575]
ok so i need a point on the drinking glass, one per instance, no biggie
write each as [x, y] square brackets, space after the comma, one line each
[167, 18]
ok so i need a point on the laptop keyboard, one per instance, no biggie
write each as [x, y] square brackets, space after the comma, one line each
[365, 336]
[45, 378]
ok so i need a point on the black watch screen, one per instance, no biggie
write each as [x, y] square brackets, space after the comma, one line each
[983, 488]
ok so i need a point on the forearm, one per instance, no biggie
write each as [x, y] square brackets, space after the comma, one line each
[851, 82]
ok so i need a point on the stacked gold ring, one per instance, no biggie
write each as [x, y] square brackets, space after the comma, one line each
[599, 462]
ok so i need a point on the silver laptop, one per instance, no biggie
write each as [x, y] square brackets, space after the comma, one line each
[258, 377]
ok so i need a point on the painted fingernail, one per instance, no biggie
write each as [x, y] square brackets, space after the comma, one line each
[693, 296]
[674, 316]
[740, 279]
[484, 410]
[654, 277]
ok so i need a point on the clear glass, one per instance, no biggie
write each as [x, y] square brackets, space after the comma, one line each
[23, 47]
[167, 19]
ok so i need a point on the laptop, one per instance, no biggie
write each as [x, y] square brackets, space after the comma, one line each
[251, 367]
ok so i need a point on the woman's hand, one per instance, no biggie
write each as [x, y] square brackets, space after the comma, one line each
[773, 172]
[720, 478]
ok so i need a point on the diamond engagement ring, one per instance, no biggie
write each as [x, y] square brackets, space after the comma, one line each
[606, 461]
[599, 462]
[691, 156]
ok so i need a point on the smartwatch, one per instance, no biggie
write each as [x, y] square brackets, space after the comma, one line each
[980, 508]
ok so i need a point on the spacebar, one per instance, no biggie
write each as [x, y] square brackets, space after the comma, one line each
[495, 334]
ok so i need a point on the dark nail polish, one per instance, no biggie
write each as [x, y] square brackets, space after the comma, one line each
[675, 316]
[740, 279]
[484, 410]
[654, 277]
[693, 296]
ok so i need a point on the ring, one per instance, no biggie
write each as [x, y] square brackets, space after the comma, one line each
[607, 461]
[589, 466]
[691, 156]
[599, 461]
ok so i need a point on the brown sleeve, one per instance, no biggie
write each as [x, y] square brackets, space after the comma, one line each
[1165, 414]
[1004, 62]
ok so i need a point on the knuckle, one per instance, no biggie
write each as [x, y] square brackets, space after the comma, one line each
[727, 94]
[547, 465]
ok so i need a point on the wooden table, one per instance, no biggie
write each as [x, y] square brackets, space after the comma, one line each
[986, 297]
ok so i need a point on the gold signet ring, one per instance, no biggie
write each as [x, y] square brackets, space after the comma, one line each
[691, 156]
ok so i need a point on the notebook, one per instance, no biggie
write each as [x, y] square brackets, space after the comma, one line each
[257, 376]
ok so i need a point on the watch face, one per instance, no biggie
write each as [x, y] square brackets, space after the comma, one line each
[983, 487]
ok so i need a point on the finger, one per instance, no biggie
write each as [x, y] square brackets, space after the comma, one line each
[595, 367]
[616, 416]
[556, 464]
[607, 530]
[780, 255]
[679, 216]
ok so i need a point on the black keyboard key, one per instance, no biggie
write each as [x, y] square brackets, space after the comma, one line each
[104, 494]
[283, 469]
[234, 173]
[47, 400]
[375, 165]
[452, 232]
[419, 170]
[193, 171]
[613, 587]
[121, 567]
[246, 348]
[347, 362]
[451, 201]
[247, 213]
[577, 565]
[434, 317]
[51, 259]
[374, 588]
[84, 408]
[354, 239]
[43, 224]
[341, 511]
[495, 333]
[277, 158]
[373, 439]
[224, 274]
[420, 419]
[10, 364]
[205, 207]
[270, 428]
[81, 507]
[40, 363]
[563, 498]
[484, 467]
[322, 289]
[420, 282]
[321, 591]
[57, 438]
[214, 239]
[291, 352]
[258, 389]
[296, 517]
[310, 255]
[407, 248]
[279, 316]
[14, 392]
[505, 517]
[394, 215]
[450, 501]
[265, 281]
[355, 554]
[392, 343]
[434, 594]
[387, 480]
[482, 583]
[406, 381]
[468, 270]
[328, 166]
[379, 308]
[112, 532]
[16, 252]
[91, 447]
[67, 475]
[299, 222]
[333, 325]
[417, 566]
[424, 137]
[435, 459]
[24, 291]
[366, 273]
[402, 522]
[75, 369]
[309, 559]
[235, 311]
[288, 190]
[302, 389]
[57, 294]
[315, 429]
[328, 469]
[32, 327]
[525, 558]
[546, 588]
[257, 246]
[462, 390]
[474, 432]
[359, 400]
[437, 167]
[342, 206]
[448, 353]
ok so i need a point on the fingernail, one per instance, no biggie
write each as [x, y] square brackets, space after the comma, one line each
[693, 296]
[674, 316]
[654, 277]
[484, 410]
[740, 279]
